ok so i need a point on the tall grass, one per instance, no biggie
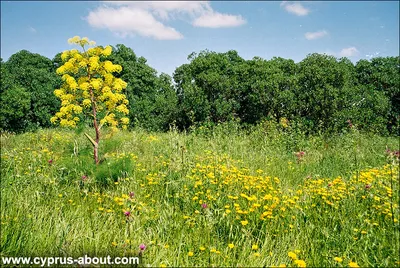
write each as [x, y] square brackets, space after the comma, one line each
[216, 196]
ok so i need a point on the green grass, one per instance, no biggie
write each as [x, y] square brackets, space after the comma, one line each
[317, 207]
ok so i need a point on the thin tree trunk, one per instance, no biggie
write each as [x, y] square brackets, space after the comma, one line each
[96, 127]
[96, 147]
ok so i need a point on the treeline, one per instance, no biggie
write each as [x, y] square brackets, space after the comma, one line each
[320, 93]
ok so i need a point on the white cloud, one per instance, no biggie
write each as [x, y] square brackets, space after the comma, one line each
[295, 8]
[218, 20]
[348, 52]
[31, 29]
[168, 9]
[315, 35]
[345, 52]
[148, 18]
[129, 21]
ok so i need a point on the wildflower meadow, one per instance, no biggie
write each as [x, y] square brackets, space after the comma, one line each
[213, 197]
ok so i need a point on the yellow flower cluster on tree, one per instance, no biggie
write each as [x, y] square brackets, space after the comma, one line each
[97, 89]
[90, 88]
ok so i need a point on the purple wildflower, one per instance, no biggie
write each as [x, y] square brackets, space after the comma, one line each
[300, 155]
[350, 124]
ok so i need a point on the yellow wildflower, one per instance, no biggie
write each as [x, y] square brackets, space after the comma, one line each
[300, 263]
[353, 264]
[338, 259]
[292, 255]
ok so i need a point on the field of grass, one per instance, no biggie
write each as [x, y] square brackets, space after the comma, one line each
[221, 197]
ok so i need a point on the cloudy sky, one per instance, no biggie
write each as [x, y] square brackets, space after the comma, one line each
[165, 33]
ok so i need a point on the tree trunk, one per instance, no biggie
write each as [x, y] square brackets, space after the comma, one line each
[96, 146]
[96, 154]
[96, 127]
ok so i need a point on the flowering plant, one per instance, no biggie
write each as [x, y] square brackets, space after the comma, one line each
[90, 89]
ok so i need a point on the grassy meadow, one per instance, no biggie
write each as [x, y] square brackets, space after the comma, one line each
[210, 197]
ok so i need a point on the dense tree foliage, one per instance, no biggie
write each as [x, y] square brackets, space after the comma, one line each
[14, 103]
[267, 89]
[208, 87]
[382, 77]
[320, 93]
[33, 76]
[152, 99]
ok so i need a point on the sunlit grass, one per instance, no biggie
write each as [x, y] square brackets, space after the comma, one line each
[221, 197]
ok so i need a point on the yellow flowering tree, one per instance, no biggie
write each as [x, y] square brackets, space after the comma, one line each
[90, 89]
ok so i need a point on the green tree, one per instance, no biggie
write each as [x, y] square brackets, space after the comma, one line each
[383, 75]
[323, 87]
[152, 99]
[15, 103]
[208, 87]
[267, 88]
[366, 108]
[35, 74]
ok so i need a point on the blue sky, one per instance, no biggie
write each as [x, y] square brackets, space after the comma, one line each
[165, 33]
